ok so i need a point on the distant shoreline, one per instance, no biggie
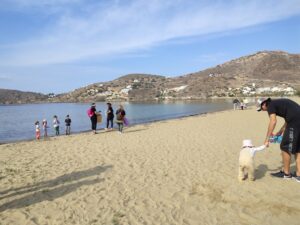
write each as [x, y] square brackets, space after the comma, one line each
[102, 129]
[150, 101]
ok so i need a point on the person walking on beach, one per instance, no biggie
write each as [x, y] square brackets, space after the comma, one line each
[56, 125]
[236, 103]
[37, 130]
[120, 113]
[109, 116]
[93, 117]
[68, 125]
[45, 127]
[290, 144]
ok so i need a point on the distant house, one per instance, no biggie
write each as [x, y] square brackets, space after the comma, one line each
[51, 95]
[263, 90]
[276, 89]
[92, 91]
[246, 90]
[289, 91]
[180, 88]
[125, 90]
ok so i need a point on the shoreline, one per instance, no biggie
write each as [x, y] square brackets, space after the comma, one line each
[103, 129]
[154, 100]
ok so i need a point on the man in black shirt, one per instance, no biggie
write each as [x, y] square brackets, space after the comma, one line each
[290, 111]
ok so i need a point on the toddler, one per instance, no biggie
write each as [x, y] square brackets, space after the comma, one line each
[37, 130]
[246, 160]
[56, 125]
[45, 127]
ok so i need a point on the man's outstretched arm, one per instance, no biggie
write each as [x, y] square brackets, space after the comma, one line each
[271, 128]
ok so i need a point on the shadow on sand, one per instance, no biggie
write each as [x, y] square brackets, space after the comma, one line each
[51, 189]
[134, 130]
[262, 169]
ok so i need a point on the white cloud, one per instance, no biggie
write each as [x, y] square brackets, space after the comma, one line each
[5, 78]
[101, 30]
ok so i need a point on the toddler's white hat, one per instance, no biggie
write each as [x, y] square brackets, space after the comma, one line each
[247, 143]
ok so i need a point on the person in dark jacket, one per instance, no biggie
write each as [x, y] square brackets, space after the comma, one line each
[290, 144]
[236, 103]
[109, 116]
[68, 125]
[93, 116]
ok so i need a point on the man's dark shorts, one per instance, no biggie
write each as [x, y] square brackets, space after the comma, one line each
[291, 139]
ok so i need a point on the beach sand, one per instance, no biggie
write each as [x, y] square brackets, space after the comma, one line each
[181, 171]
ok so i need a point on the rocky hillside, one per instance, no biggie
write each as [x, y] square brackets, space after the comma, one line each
[261, 70]
[263, 73]
[19, 97]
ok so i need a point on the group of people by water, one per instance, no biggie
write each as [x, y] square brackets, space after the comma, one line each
[56, 124]
[239, 104]
[95, 117]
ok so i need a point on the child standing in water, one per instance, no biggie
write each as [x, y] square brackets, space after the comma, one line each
[45, 127]
[56, 125]
[37, 130]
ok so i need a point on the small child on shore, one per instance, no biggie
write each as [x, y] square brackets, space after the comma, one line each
[56, 125]
[37, 130]
[246, 160]
[45, 127]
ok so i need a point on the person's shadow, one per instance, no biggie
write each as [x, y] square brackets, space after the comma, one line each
[261, 171]
[51, 189]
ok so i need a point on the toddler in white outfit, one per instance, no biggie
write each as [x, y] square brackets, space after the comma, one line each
[246, 160]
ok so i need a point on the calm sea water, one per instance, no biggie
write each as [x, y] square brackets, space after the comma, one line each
[17, 121]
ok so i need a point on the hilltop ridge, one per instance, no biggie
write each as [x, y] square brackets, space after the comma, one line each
[261, 73]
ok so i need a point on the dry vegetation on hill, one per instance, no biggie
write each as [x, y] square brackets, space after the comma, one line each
[276, 70]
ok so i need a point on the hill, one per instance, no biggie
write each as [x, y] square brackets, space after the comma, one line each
[20, 97]
[262, 73]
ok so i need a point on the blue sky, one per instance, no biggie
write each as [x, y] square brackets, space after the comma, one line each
[60, 45]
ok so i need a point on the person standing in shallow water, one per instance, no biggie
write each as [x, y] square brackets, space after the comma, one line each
[109, 116]
[120, 113]
[93, 117]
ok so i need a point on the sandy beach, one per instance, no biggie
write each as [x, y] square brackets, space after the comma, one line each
[181, 171]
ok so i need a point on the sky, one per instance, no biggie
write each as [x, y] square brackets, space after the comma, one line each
[56, 46]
